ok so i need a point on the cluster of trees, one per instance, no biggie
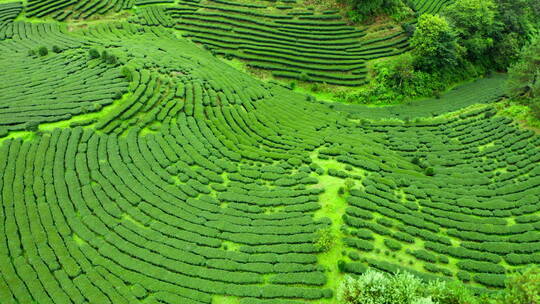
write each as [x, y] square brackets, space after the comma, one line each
[404, 288]
[485, 33]
[362, 10]
[524, 77]
[468, 39]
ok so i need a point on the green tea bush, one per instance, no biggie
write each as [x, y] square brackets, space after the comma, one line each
[393, 245]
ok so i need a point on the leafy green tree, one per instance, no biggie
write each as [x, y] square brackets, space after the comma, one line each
[518, 20]
[519, 16]
[475, 24]
[524, 77]
[434, 43]
[523, 288]
[365, 9]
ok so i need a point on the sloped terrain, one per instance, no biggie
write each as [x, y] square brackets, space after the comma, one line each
[164, 175]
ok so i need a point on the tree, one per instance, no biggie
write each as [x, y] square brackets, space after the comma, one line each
[518, 20]
[475, 25]
[56, 49]
[524, 77]
[523, 288]
[365, 9]
[435, 43]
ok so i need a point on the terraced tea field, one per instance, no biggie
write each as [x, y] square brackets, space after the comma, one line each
[136, 167]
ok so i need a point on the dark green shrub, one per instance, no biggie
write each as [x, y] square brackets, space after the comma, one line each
[93, 53]
[43, 51]
[429, 171]
[341, 266]
[56, 49]
[111, 59]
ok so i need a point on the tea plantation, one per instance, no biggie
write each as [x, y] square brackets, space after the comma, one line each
[136, 166]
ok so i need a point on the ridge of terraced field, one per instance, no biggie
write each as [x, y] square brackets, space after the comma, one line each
[153, 172]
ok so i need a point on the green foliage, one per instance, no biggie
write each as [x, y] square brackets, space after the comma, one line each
[56, 49]
[203, 178]
[127, 72]
[518, 20]
[363, 10]
[474, 23]
[523, 288]
[400, 79]
[402, 288]
[349, 184]
[377, 288]
[324, 239]
[304, 76]
[111, 59]
[524, 77]
[43, 51]
[435, 43]
[93, 53]
[451, 293]
[393, 245]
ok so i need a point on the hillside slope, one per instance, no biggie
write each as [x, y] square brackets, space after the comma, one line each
[156, 173]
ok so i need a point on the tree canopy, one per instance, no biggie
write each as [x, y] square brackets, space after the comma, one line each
[435, 43]
[474, 23]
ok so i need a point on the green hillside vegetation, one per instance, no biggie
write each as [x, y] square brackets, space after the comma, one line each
[156, 151]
